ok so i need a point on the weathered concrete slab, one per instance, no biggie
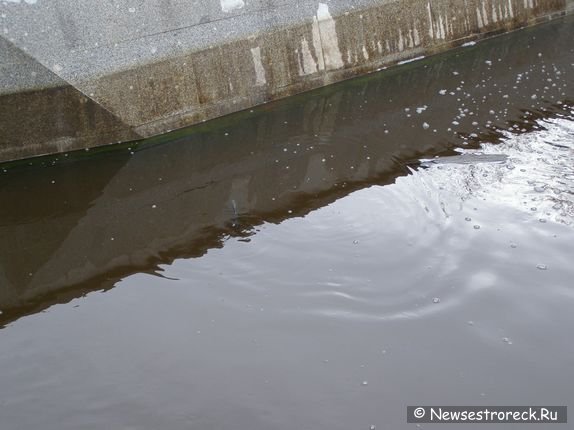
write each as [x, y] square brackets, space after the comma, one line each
[151, 66]
[76, 227]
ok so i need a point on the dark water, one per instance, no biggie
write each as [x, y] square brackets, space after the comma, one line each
[309, 264]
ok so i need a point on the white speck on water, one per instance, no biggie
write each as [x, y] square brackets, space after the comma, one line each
[365, 383]
[131, 9]
[426, 125]
[442, 92]
[477, 227]
[542, 267]
[436, 300]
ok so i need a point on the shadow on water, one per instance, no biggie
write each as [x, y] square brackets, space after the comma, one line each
[68, 228]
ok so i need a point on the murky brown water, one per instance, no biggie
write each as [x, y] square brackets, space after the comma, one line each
[309, 264]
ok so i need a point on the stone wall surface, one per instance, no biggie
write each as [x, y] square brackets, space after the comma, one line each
[80, 74]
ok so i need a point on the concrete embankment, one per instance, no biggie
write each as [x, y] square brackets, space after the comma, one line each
[83, 226]
[80, 74]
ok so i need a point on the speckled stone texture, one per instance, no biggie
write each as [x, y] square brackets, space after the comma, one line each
[78, 74]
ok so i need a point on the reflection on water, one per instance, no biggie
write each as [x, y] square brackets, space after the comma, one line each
[533, 172]
[74, 228]
[321, 262]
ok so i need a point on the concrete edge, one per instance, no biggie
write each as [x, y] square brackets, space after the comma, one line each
[197, 86]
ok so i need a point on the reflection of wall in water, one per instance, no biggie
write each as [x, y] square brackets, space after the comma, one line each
[98, 220]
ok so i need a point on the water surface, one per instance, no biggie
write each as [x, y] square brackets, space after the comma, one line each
[318, 263]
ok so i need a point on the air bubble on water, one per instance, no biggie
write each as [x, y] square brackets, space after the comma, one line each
[355, 242]
[542, 267]
[131, 9]
[436, 300]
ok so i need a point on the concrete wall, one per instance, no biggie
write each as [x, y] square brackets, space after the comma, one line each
[179, 200]
[82, 73]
